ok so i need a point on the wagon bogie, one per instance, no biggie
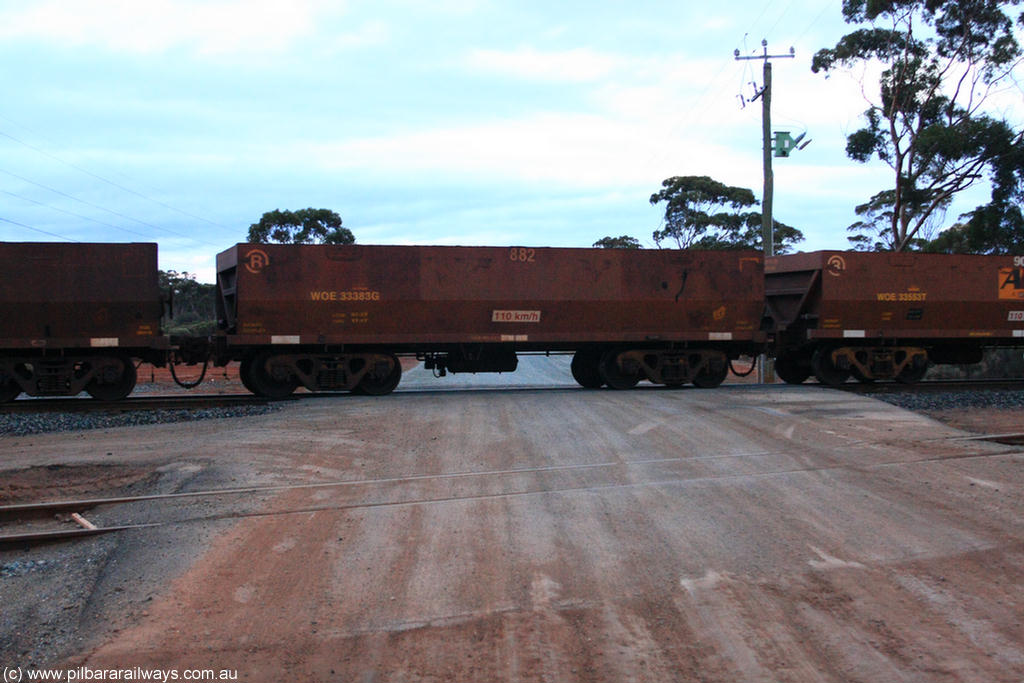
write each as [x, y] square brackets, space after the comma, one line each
[276, 374]
[107, 377]
[867, 363]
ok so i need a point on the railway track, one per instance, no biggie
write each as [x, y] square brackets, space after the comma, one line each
[26, 524]
[199, 401]
[934, 386]
[135, 403]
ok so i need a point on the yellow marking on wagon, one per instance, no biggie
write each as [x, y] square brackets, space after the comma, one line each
[328, 295]
[913, 295]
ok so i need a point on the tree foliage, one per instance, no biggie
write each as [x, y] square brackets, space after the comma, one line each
[702, 213]
[623, 242]
[996, 227]
[941, 60]
[192, 302]
[305, 226]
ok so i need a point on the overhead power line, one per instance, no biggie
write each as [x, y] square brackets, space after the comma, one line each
[101, 208]
[35, 229]
[107, 180]
[76, 215]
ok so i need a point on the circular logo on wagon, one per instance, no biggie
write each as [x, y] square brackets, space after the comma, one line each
[835, 265]
[256, 260]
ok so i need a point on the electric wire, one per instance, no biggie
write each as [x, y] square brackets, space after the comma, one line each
[101, 208]
[783, 16]
[75, 215]
[39, 230]
[106, 180]
[826, 7]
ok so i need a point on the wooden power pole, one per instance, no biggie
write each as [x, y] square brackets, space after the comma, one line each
[767, 222]
[765, 371]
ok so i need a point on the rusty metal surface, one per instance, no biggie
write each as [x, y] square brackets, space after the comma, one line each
[78, 295]
[856, 294]
[524, 296]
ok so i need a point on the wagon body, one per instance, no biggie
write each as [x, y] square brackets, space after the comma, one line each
[897, 296]
[77, 317]
[887, 316]
[59, 296]
[417, 298]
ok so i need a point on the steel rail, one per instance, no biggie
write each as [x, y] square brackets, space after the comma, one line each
[137, 403]
[36, 537]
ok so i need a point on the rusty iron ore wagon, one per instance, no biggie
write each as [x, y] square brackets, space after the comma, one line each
[79, 317]
[74, 316]
[338, 317]
[887, 316]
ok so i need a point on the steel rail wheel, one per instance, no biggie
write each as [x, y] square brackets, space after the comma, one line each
[269, 379]
[9, 391]
[860, 376]
[380, 380]
[911, 374]
[245, 374]
[585, 369]
[117, 380]
[825, 370]
[791, 369]
[614, 374]
[709, 377]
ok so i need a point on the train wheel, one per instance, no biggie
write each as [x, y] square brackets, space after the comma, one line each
[911, 374]
[9, 391]
[113, 388]
[860, 376]
[585, 369]
[377, 381]
[825, 370]
[791, 369]
[245, 374]
[614, 375]
[270, 382]
[710, 377]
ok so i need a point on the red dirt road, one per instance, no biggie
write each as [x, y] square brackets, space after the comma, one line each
[744, 534]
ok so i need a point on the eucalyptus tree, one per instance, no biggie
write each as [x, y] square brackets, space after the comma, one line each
[305, 226]
[703, 213]
[942, 62]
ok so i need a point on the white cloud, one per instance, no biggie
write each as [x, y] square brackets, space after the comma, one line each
[368, 34]
[563, 148]
[577, 65]
[152, 26]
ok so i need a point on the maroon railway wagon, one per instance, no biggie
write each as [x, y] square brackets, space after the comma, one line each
[337, 317]
[75, 317]
[887, 316]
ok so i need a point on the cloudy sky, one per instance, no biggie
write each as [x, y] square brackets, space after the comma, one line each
[471, 122]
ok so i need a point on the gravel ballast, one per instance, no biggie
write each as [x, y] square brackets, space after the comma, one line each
[23, 424]
[953, 400]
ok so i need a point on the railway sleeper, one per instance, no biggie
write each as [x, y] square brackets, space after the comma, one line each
[868, 363]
